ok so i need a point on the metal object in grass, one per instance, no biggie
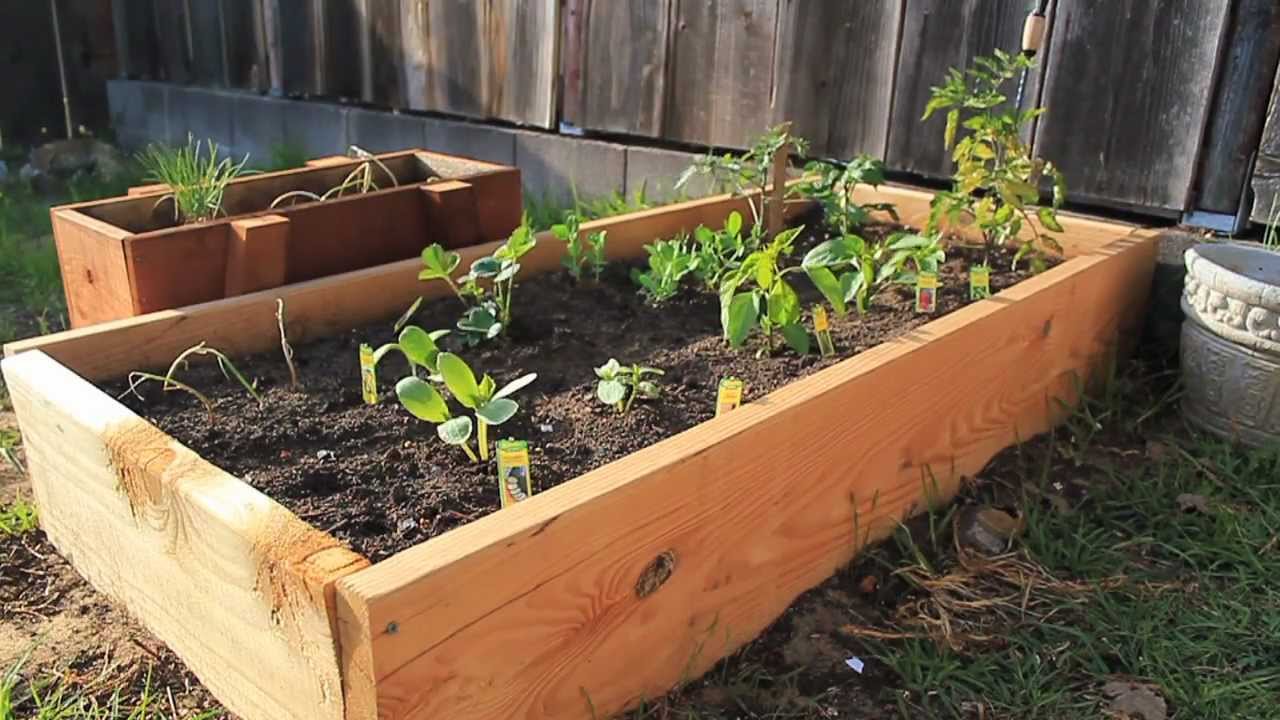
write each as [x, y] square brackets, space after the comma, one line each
[1231, 341]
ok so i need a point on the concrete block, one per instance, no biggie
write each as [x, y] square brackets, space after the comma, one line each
[555, 167]
[204, 114]
[656, 171]
[317, 128]
[382, 131]
[258, 126]
[481, 142]
[139, 112]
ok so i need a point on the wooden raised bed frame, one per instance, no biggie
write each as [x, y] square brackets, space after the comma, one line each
[547, 609]
[122, 257]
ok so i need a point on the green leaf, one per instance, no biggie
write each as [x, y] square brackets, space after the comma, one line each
[382, 351]
[423, 401]
[784, 305]
[479, 320]
[561, 232]
[438, 262]
[515, 385]
[648, 390]
[508, 271]
[609, 370]
[611, 392]
[733, 224]
[829, 286]
[1049, 219]
[459, 379]
[797, 337]
[456, 431]
[486, 388]
[418, 346]
[497, 411]
[949, 135]
[740, 318]
[487, 266]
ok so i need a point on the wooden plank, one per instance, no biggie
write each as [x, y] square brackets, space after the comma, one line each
[236, 584]
[341, 26]
[723, 57]
[318, 308]
[172, 40]
[383, 80]
[456, 79]
[937, 35]
[1266, 174]
[177, 267]
[244, 45]
[95, 277]
[257, 254]
[623, 67]
[453, 216]
[523, 38]
[752, 508]
[1239, 105]
[573, 44]
[834, 72]
[1138, 146]
[134, 24]
[416, 57]
[298, 24]
[204, 25]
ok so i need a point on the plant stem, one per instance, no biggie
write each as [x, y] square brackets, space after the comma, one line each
[470, 453]
[482, 436]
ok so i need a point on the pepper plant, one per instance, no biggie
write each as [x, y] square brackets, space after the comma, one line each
[489, 403]
[620, 384]
[580, 252]
[849, 269]
[487, 289]
[996, 179]
[757, 294]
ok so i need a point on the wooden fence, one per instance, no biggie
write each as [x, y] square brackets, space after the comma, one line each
[1156, 105]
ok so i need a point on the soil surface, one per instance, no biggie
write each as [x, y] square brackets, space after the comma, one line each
[381, 481]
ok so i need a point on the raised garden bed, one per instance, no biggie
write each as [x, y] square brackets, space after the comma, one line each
[591, 595]
[122, 257]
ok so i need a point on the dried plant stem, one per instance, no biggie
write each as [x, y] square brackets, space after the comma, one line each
[138, 377]
[285, 347]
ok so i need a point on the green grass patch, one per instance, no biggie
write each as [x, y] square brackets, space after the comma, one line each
[544, 211]
[58, 698]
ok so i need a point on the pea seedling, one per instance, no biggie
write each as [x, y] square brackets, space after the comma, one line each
[488, 313]
[719, 252]
[580, 251]
[489, 403]
[620, 385]
[669, 262]
[770, 302]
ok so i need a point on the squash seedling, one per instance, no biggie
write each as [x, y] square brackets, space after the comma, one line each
[620, 385]
[580, 251]
[769, 302]
[418, 347]
[489, 403]
[669, 262]
[996, 179]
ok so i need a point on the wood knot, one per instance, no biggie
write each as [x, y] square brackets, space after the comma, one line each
[656, 574]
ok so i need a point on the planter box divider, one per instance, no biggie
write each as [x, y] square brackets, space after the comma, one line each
[596, 593]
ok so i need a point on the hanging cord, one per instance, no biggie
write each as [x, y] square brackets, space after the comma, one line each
[1033, 29]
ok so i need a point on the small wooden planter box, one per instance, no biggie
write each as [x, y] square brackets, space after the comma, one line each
[125, 256]
[592, 595]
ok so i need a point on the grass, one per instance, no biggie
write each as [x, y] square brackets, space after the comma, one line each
[545, 211]
[59, 698]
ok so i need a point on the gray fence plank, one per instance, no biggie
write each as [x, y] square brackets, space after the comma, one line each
[383, 57]
[622, 66]
[204, 28]
[1266, 174]
[244, 49]
[1128, 87]
[833, 73]
[137, 51]
[171, 39]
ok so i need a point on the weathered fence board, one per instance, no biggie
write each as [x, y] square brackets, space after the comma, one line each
[383, 55]
[1266, 174]
[621, 61]
[937, 35]
[137, 48]
[171, 38]
[1128, 86]
[296, 27]
[834, 73]
[338, 46]
[723, 59]
[244, 50]
[205, 35]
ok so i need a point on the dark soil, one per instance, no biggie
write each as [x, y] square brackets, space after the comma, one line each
[380, 480]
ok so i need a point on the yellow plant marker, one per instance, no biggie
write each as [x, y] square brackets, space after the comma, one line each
[728, 396]
[926, 292]
[822, 329]
[368, 375]
[514, 483]
[979, 282]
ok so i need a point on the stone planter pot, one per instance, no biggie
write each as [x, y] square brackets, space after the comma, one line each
[1231, 342]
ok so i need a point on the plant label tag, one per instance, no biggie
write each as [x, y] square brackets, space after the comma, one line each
[979, 282]
[822, 329]
[368, 375]
[514, 483]
[728, 396]
[926, 292]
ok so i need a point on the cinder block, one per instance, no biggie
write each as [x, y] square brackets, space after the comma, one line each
[382, 131]
[481, 142]
[317, 128]
[656, 172]
[555, 167]
[258, 126]
[139, 112]
[204, 114]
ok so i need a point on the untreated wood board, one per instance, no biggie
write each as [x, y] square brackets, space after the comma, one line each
[236, 584]
[1138, 140]
[937, 35]
[94, 274]
[834, 72]
[342, 23]
[523, 37]
[296, 28]
[1251, 47]
[721, 70]
[621, 68]
[750, 509]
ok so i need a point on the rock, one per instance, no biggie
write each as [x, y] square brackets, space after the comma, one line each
[1135, 700]
[1190, 503]
[988, 530]
[64, 158]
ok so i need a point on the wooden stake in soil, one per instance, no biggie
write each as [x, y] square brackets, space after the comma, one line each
[776, 203]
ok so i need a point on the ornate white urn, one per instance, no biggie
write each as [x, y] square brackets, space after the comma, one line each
[1231, 341]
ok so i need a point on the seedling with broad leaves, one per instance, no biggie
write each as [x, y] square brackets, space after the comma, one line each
[490, 404]
[717, 252]
[620, 385]
[849, 269]
[757, 294]
[996, 179]
[418, 347]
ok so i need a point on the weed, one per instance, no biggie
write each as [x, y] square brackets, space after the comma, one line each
[18, 518]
